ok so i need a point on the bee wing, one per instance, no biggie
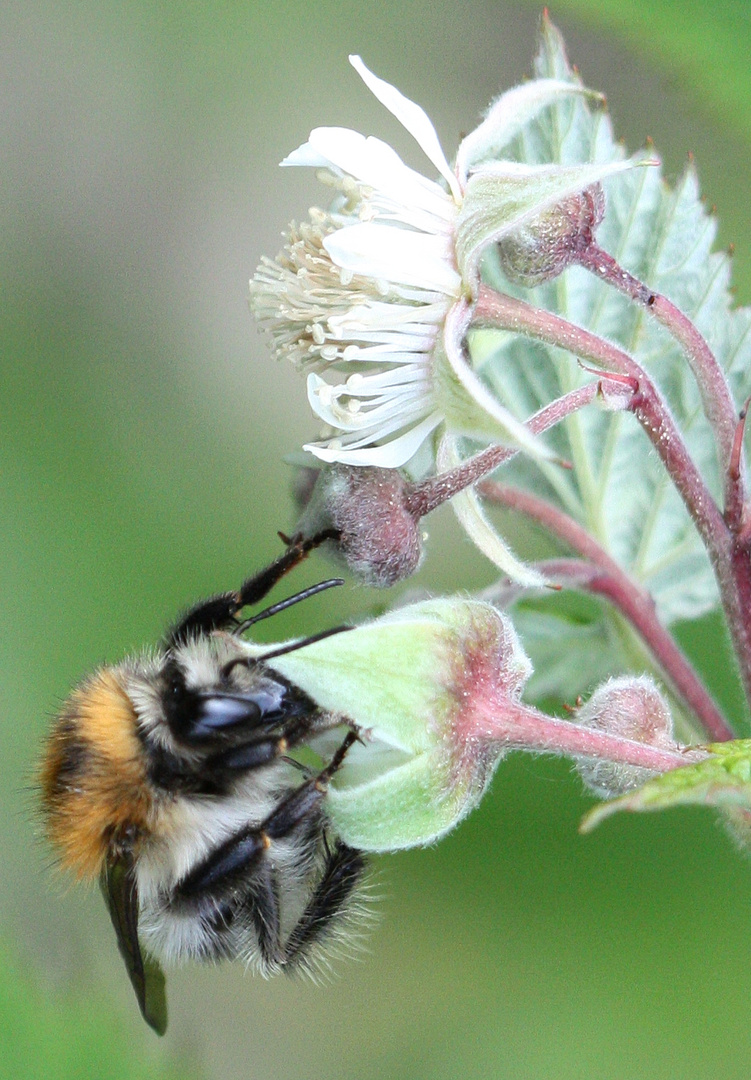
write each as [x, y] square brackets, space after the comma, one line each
[145, 973]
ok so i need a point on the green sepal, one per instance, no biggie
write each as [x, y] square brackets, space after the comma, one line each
[500, 197]
[401, 681]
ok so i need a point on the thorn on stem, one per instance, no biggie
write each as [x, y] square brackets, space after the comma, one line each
[612, 376]
[736, 454]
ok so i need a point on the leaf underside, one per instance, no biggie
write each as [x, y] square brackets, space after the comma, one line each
[618, 488]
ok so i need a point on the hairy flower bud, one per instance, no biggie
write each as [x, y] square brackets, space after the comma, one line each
[549, 242]
[417, 683]
[380, 539]
[633, 708]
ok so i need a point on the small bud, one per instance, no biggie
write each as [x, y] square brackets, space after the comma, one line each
[544, 246]
[737, 820]
[380, 540]
[413, 682]
[634, 709]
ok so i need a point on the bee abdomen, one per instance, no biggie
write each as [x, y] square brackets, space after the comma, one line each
[93, 776]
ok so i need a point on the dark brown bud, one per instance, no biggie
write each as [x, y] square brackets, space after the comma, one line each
[380, 540]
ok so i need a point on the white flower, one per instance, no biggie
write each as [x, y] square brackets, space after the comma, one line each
[361, 292]
[376, 292]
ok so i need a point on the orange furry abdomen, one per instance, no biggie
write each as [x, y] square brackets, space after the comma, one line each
[95, 789]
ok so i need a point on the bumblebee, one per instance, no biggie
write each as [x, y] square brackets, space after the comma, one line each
[169, 777]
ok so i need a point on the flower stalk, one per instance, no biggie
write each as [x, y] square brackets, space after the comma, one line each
[729, 557]
[713, 386]
[428, 495]
[524, 727]
[598, 573]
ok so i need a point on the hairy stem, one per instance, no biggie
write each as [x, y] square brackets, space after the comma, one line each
[713, 387]
[526, 728]
[727, 550]
[497, 309]
[601, 575]
[429, 494]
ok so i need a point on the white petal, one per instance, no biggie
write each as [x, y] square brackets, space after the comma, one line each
[362, 386]
[392, 411]
[413, 117]
[405, 317]
[375, 163]
[305, 155]
[392, 455]
[392, 254]
[342, 147]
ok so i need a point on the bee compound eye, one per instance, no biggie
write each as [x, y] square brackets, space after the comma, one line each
[174, 681]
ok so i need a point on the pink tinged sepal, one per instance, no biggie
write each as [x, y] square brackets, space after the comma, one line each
[414, 682]
[465, 401]
[468, 509]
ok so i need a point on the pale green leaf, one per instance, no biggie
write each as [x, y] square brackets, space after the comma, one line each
[722, 780]
[618, 488]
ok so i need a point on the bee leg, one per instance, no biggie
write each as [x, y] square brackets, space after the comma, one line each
[343, 869]
[298, 548]
[265, 913]
[255, 753]
[241, 862]
[218, 612]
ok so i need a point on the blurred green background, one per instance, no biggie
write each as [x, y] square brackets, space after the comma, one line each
[141, 442]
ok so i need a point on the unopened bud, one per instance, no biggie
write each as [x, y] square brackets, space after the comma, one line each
[412, 682]
[544, 246]
[380, 539]
[737, 820]
[633, 708]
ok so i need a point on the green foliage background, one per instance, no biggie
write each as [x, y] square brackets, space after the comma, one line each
[142, 429]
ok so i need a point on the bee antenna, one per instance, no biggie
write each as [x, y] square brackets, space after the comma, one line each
[283, 649]
[295, 645]
[282, 605]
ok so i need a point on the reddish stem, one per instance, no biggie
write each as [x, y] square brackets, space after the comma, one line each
[602, 575]
[717, 399]
[526, 728]
[431, 493]
[497, 309]
[728, 552]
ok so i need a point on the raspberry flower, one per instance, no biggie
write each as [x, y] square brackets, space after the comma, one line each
[377, 292]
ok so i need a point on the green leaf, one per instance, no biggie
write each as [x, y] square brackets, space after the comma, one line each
[722, 780]
[617, 488]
